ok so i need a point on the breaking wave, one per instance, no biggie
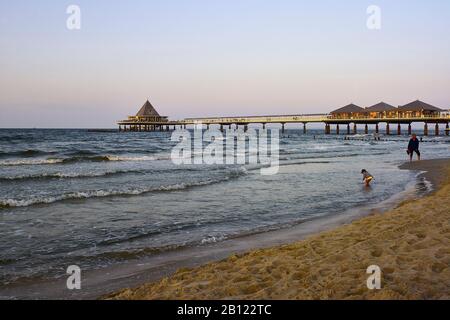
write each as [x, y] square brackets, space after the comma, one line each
[69, 175]
[80, 159]
[10, 203]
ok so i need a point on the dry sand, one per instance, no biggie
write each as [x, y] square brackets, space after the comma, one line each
[411, 245]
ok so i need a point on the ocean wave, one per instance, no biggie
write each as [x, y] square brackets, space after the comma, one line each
[30, 162]
[11, 203]
[81, 159]
[68, 175]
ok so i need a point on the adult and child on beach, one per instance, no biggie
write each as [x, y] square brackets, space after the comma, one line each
[413, 147]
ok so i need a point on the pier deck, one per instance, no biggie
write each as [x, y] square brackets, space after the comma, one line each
[327, 119]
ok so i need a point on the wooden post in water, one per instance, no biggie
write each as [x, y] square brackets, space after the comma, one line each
[366, 129]
[337, 129]
[399, 129]
[355, 128]
[377, 128]
[425, 129]
[282, 127]
[388, 130]
[304, 127]
[245, 127]
[447, 132]
[264, 126]
[409, 129]
[348, 128]
[436, 129]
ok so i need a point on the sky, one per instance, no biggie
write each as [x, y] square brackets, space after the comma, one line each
[216, 58]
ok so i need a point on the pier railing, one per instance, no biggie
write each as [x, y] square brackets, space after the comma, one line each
[312, 118]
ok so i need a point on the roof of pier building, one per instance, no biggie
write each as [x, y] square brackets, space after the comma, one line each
[147, 110]
[418, 106]
[351, 108]
[381, 107]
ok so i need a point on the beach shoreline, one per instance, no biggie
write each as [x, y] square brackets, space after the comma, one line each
[410, 243]
[135, 273]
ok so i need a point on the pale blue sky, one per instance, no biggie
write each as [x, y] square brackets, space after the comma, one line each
[210, 57]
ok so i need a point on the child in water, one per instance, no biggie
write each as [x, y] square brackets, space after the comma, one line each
[367, 177]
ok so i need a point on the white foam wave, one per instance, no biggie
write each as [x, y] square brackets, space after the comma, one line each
[9, 203]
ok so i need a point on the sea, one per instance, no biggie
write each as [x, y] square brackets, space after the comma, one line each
[99, 198]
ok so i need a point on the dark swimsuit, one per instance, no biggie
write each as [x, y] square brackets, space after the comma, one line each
[413, 146]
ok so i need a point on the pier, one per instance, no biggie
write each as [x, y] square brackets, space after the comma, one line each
[350, 119]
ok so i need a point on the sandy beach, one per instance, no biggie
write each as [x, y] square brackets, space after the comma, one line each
[411, 245]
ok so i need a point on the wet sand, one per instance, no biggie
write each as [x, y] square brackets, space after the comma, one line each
[411, 245]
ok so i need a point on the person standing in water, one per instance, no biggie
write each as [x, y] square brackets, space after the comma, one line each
[413, 146]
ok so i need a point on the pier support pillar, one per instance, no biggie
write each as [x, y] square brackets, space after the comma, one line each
[264, 126]
[425, 129]
[304, 127]
[366, 129]
[355, 128]
[120, 128]
[348, 128]
[229, 126]
[337, 129]
[388, 129]
[246, 128]
[207, 126]
[399, 129]
[377, 128]
[221, 127]
[447, 129]
[327, 128]
[436, 130]
[237, 126]
[282, 128]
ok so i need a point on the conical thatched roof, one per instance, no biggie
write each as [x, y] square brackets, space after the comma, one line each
[147, 110]
[381, 107]
[351, 108]
[418, 106]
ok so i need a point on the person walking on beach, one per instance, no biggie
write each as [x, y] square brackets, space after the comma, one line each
[413, 146]
[367, 177]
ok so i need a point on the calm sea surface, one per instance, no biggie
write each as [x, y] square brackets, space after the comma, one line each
[95, 199]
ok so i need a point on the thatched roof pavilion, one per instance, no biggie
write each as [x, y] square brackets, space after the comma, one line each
[148, 113]
[348, 112]
[350, 108]
[419, 106]
[147, 110]
[381, 107]
[418, 109]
